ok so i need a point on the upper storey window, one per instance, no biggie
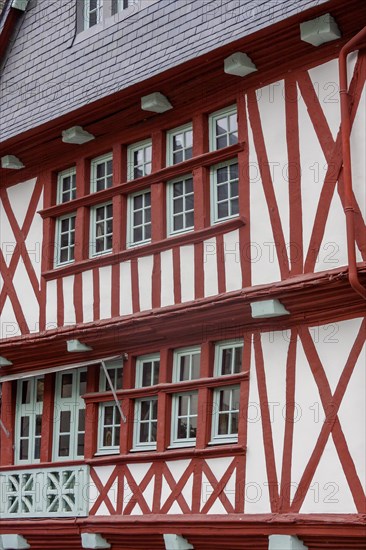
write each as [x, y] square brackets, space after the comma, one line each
[139, 159]
[180, 144]
[65, 225]
[101, 173]
[223, 128]
[66, 186]
[96, 11]
[92, 13]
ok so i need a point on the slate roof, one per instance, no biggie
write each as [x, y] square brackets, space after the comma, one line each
[49, 71]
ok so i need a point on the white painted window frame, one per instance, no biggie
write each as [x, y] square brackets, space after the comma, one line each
[113, 367]
[61, 176]
[138, 445]
[170, 206]
[87, 11]
[227, 112]
[93, 230]
[130, 226]
[214, 195]
[70, 247]
[140, 361]
[219, 347]
[116, 424]
[169, 142]
[103, 159]
[184, 352]
[175, 441]
[143, 146]
[31, 411]
[215, 436]
[72, 404]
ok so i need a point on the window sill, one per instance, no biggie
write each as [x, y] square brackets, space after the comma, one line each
[147, 249]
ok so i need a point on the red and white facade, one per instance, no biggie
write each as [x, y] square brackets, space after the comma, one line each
[295, 465]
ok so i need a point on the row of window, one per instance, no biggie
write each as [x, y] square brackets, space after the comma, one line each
[180, 193]
[96, 11]
[69, 406]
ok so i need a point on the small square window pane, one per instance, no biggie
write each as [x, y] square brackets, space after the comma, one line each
[234, 171]
[178, 189]
[147, 215]
[137, 234]
[223, 428]
[178, 141]
[193, 426]
[223, 210]
[147, 199]
[222, 174]
[178, 205]
[222, 191]
[234, 189]
[144, 433]
[137, 202]
[234, 207]
[137, 217]
[221, 126]
[148, 231]
[189, 185]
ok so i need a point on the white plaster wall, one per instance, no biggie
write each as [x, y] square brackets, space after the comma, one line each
[51, 305]
[210, 267]
[87, 293]
[105, 292]
[232, 261]
[325, 79]
[145, 268]
[68, 295]
[358, 148]
[167, 278]
[125, 291]
[187, 272]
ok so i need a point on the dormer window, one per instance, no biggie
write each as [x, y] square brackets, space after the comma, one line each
[92, 13]
[96, 11]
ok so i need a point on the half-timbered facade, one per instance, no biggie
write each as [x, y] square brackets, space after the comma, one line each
[182, 275]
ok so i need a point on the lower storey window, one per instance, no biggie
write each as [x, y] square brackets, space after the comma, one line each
[109, 427]
[225, 191]
[29, 419]
[146, 422]
[181, 205]
[184, 412]
[101, 229]
[140, 218]
[225, 414]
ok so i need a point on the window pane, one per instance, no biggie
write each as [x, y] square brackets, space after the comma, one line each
[107, 437]
[184, 367]
[221, 126]
[156, 372]
[223, 428]
[116, 437]
[82, 386]
[146, 374]
[65, 421]
[226, 361]
[193, 426]
[37, 448]
[196, 365]
[26, 392]
[144, 433]
[182, 428]
[80, 450]
[183, 405]
[108, 415]
[81, 424]
[66, 385]
[24, 426]
[24, 446]
[64, 445]
[38, 424]
[222, 210]
[238, 358]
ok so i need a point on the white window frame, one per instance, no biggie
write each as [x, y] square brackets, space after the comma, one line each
[170, 206]
[175, 440]
[214, 195]
[113, 367]
[169, 143]
[142, 445]
[87, 12]
[153, 358]
[29, 410]
[61, 176]
[112, 448]
[184, 352]
[70, 247]
[103, 159]
[74, 404]
[215, 436]
[141, 145]
[220, 346]
[130, 226]
[227, 112]
[93, 233]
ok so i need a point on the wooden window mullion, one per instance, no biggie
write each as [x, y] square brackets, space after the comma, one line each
[8, 419]
[47, 418]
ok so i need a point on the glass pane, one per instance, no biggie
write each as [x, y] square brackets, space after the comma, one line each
[154, 412]
[148, 231]
[107, 437]
[222, 210]
[178, 189]
[148, 153]
[145, 410]
[192, 426]
[24, 426]
[221, 126]
[196, 365]
[80, 445]
[64, 445]
[39, 390]
[178, 205]
[144, 433]
[221, 142]
[23, 451]
[119, 378]
[194, 403]
[81, 424]
[234, 207]
[154, 427]
[225, 400]
[223, 427]
[183, 405]
[237, 360]
[26, 391]
[177, 157]
[178, 222]
[234, 189]
[137, 234]
[234, 423]
[233, 138]
[146, 373]
[189, 220]
[234, 171]
[137, 202]
[221, 174]
[37, 448]
[108, 415]
[38, 424]
[147, 199]
[66, 385]
[116, 437]
[222, 191]
[100, 170]
[156, 372]
[189, 185]
[65, 421]
[184, 368]
[226, 361]
[182, 428]
[82, 386]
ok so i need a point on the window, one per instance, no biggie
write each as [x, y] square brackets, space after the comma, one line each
[29, 420]
[228, 357]
[65, 244]
[139, 160]
[139, 218]
[101, 172]
[146, 409]
[225, 418]
[101, 229]
[69, 416]
[180, 205]
[109, 415]
[119, 5]
[92, 13]
[185, 405]
[179, 144]
[66, 186]
[225, 191]
[223, 128]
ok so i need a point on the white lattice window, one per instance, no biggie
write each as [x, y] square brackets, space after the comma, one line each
[180, 205]
[69, 415]
[223, 128]
[29, 410]
[101, 219]
[115, 371]
[179, 144]
[119, 5]
[65, 239]
[66, 185]
[224, 191]
[101, 173]
[92, 12]
[228, 357]
[139, 157]
[109, 415]
[146, 409]
[139, 219]
[225, 417]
